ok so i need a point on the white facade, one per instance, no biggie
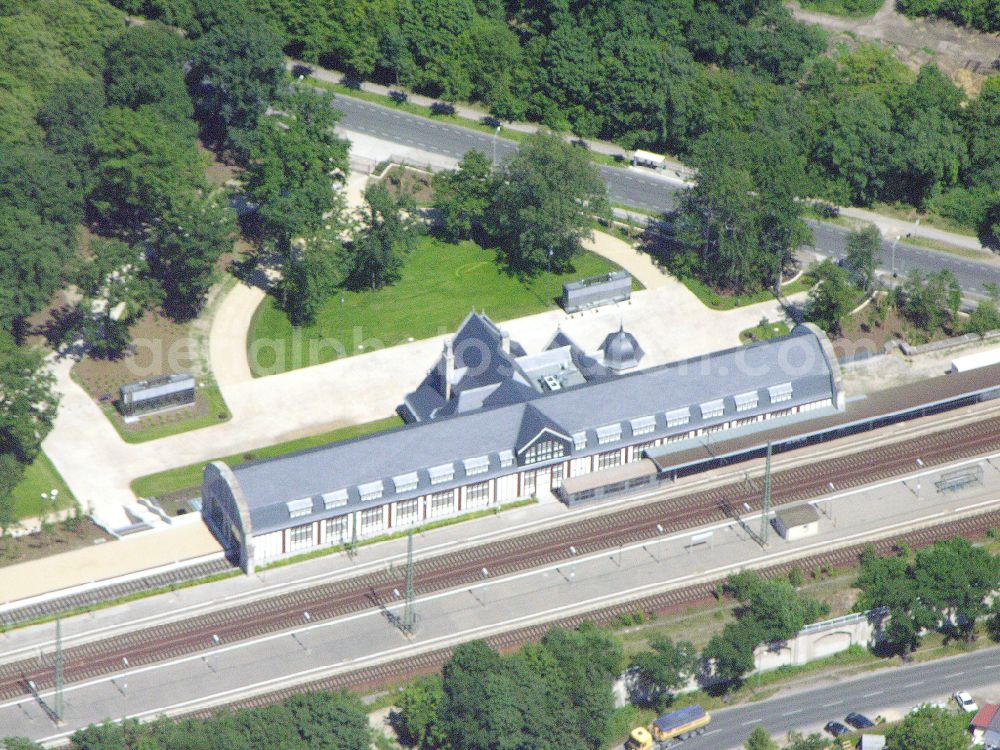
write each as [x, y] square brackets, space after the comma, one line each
[523, 482]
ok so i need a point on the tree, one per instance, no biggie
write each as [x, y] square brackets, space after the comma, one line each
[19, 743]
[731, 652]
[235, 73]
[11, 472]
[798, 741]
[954, 578]
[186, 240]
[831, 298]
[143, 161]
[927, 300]
[295, 165]
[930, 728]
[855, 150]
[664, 669]
[329, 721]
[864, 246]
[588, 661]
[544, 205]
[741, 220]
[27, 401]
[462, 198]
[418, 705]
[69, 116]
[387, 234]
[144, 68]
[759, 739]
[32, 254]
[986, 315]
[773, 607]
[117, 287]
[931, 150]
[888, 582]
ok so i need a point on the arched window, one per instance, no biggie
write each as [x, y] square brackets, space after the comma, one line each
[545, 450]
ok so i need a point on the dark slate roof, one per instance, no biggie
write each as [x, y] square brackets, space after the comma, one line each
[478, 346]
[621, 350]
[798, 358]
[533, 423]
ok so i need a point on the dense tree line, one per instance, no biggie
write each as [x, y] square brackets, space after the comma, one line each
[553, 694]
[308, 721]
[979, 14]
[667, 75]
[945, 585]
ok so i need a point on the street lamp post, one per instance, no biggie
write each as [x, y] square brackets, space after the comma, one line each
[496, 135]
[894, 256]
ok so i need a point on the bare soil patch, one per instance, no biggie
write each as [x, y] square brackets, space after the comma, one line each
[864, 334]
[62, 537]
[406, 180]
[159, 347]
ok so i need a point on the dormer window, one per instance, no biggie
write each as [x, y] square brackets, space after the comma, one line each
[746, 401]
[442, 473]
[609, 434]
[334, 499]
[579, 440]
[299, 508]
[678, 417]
[643, 425]
[371, 491]
[778, 393]
[478, 465]
[405, 482]
[712, 409]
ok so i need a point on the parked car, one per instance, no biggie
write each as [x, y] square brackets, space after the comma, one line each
[965, 702]
[836, 728]
[859, 721]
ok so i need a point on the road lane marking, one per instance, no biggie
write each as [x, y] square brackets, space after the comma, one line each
[792, 713]
[869, 695]
[748, 723]
[831, 705]
[953, 674]
[914, 684]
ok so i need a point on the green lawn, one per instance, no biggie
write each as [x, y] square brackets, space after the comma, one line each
[718, 301]
[763, 333]
[849, 8]
[41, 476]
[163, 425]
[440, 284]
[187, 477]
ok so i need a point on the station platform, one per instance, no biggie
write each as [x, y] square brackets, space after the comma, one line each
[139, 553]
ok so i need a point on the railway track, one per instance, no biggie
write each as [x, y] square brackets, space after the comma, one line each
[502, 557]
[380, 676]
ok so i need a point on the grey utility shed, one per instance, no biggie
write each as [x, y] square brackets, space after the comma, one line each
[797, 522]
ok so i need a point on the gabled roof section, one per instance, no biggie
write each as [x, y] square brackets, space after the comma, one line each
[478, 348]
[510, 392]
[984, 717]
[533, 425]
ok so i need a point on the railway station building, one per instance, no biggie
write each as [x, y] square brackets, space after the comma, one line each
[491, 424]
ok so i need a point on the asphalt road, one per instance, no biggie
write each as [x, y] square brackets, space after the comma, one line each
[629, 187]
[890, 692]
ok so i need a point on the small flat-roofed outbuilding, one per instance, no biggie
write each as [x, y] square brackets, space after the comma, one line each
[797, 522]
